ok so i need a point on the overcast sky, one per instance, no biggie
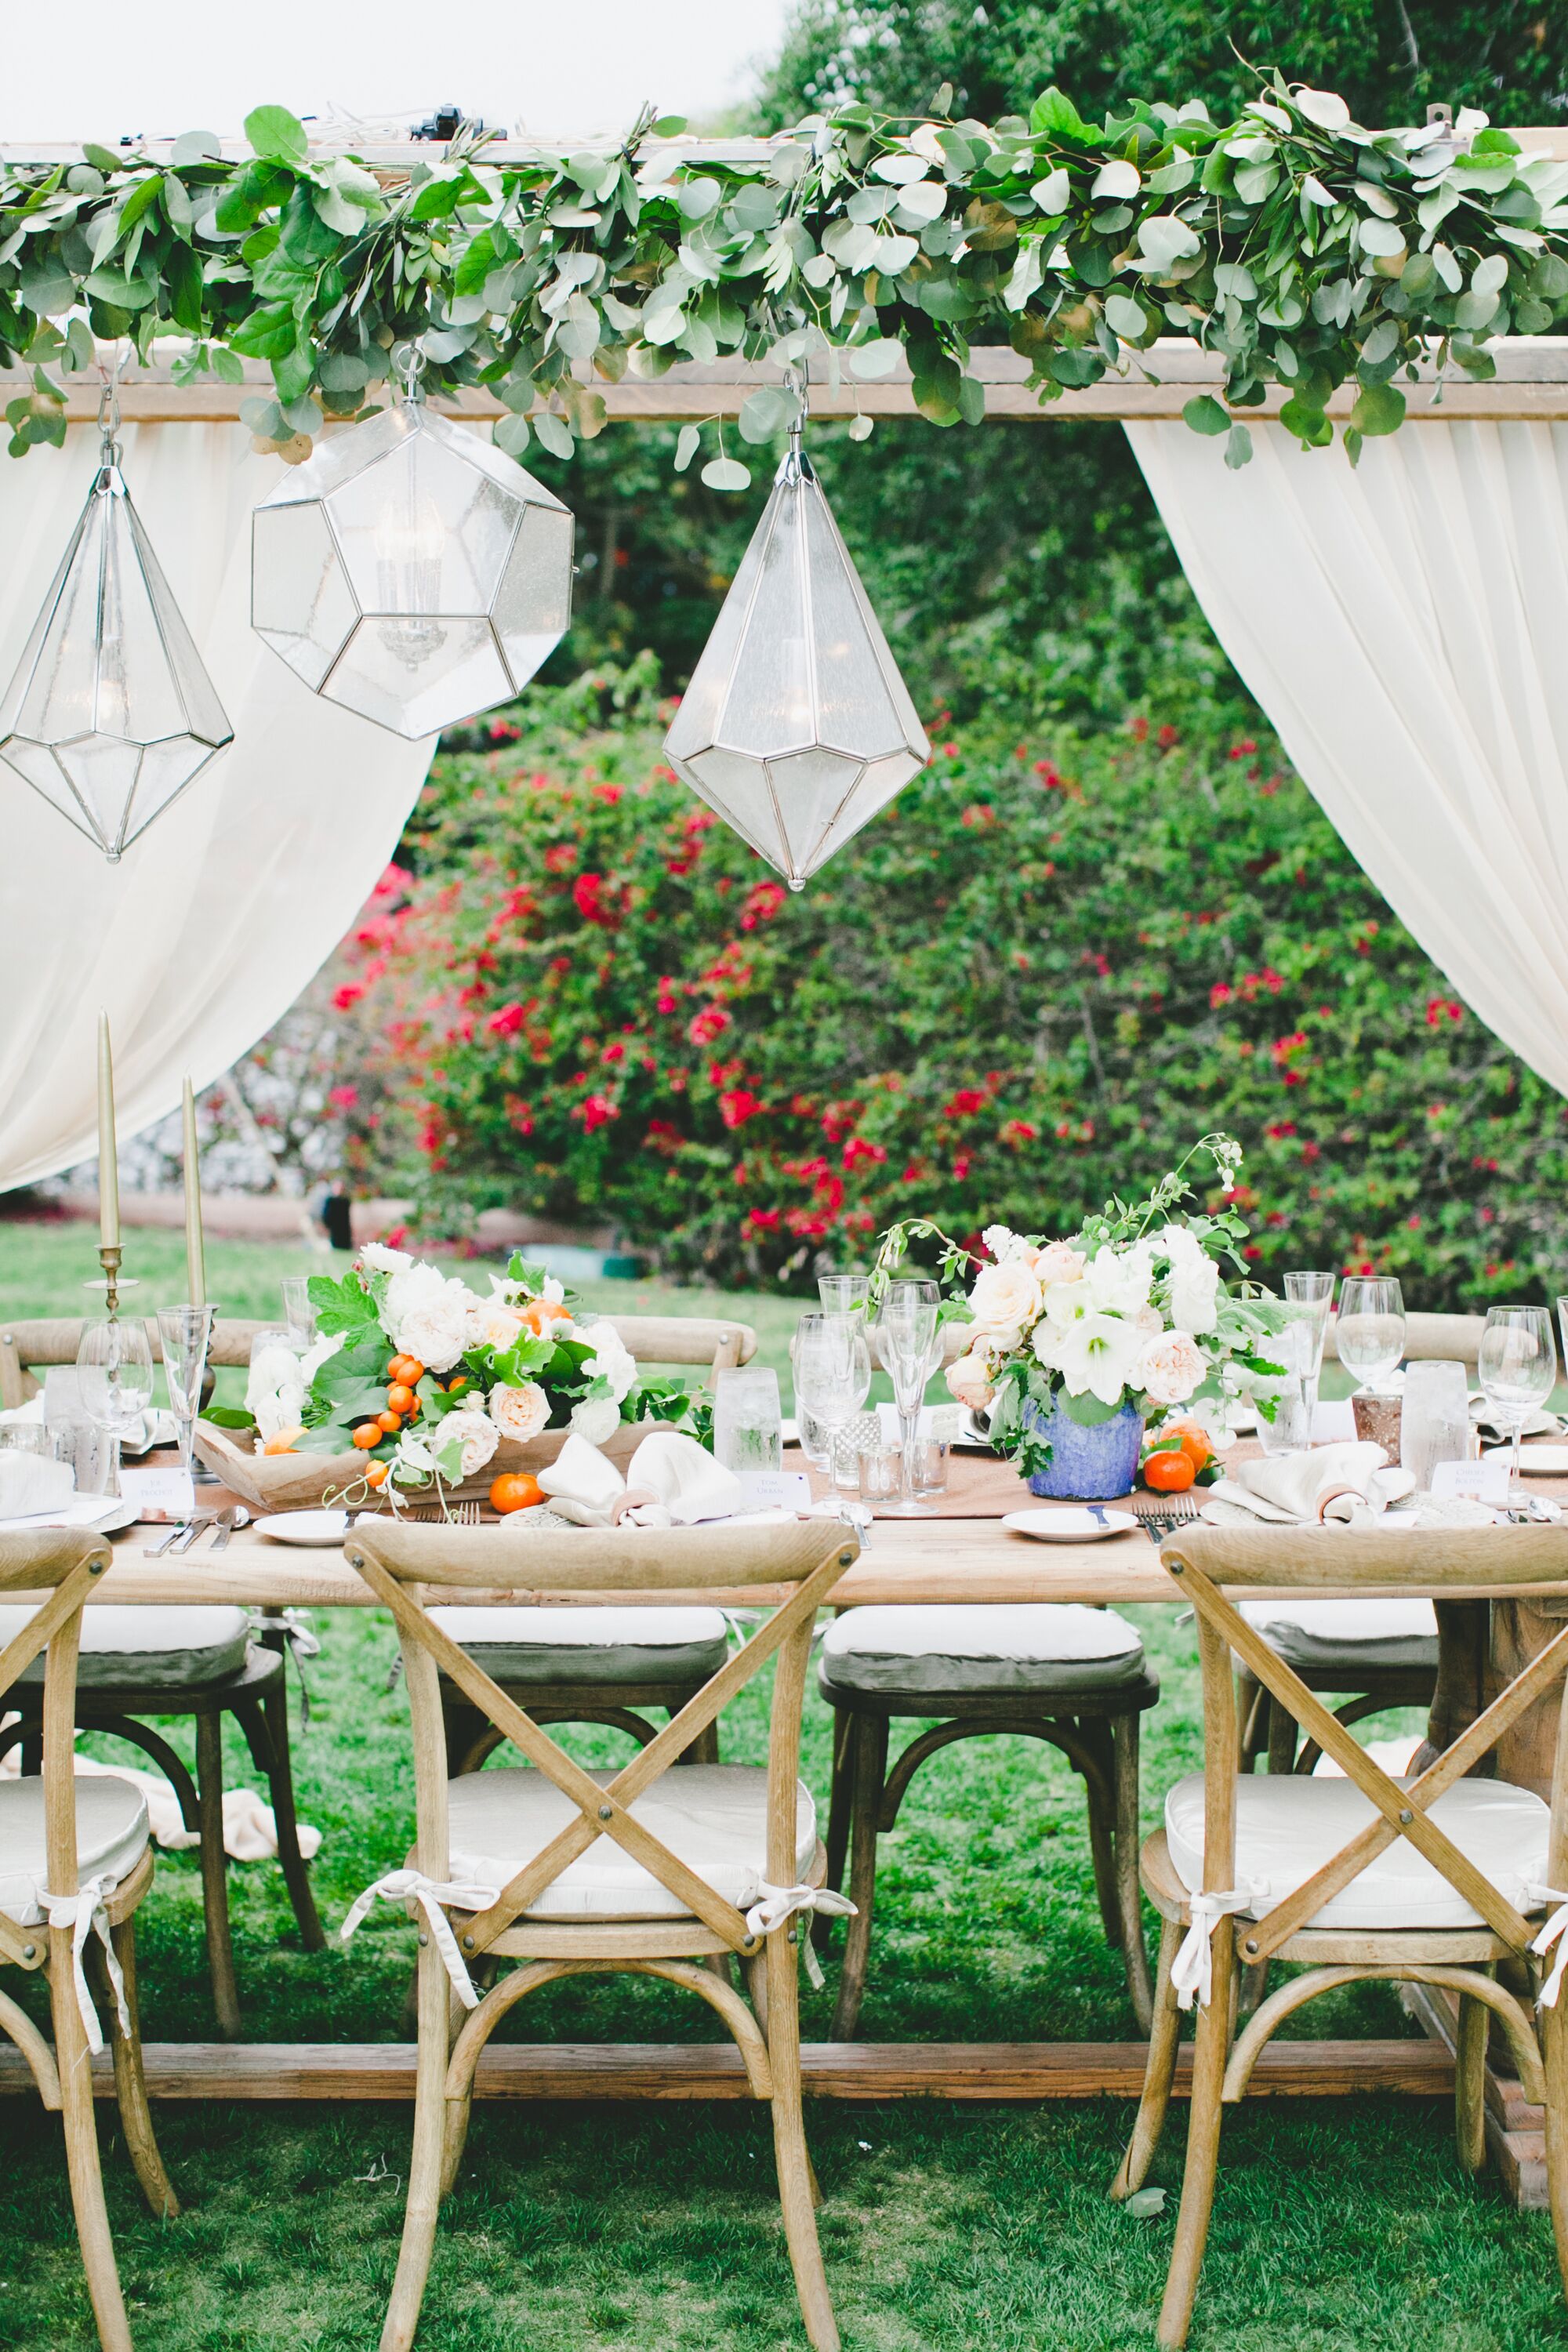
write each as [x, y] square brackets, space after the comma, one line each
[97, 71]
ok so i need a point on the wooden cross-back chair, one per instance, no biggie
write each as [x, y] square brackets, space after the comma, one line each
[24, 1346]
[612, 1666]
[541, 1886]
[1247, 1869]
[75, 1862]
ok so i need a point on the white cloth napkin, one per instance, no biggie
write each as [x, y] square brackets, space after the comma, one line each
[1343, 1486]
[671, 1482]
[30, 1484]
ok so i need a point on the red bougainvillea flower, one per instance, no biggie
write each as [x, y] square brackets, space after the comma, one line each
[597, 1111]
[858, 1149]
[737, 1105]
[765, 1221]
[711, 1022]
[344, 1098]
[345, 998]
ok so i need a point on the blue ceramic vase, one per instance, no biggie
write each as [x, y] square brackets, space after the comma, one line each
[1088, 1465]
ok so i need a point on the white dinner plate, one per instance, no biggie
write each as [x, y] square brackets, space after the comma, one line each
[106, 1513]
[315, 1529]
[1071, 1523]
[1542, 1461]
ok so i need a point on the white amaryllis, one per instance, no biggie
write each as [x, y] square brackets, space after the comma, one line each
[1097, 1356]
[520, 1413]
[1195, 1280]
[474, 1431]
[1171, 1368]
[597, 1418]
[376, 1258]
[432, 1317]
[1119, 1281]
[969, 1379]
[275, 1390]
[1006, 1297]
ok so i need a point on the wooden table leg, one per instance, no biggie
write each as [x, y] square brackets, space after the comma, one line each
[1461, 1693]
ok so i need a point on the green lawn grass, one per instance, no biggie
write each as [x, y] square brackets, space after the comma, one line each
[1338, 2224]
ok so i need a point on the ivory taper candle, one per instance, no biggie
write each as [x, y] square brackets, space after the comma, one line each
[196, 1262]
[108, 1166]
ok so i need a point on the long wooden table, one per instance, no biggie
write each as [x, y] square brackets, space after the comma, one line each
[946, 1559]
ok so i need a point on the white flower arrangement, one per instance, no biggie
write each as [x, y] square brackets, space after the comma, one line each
[1134, 1310]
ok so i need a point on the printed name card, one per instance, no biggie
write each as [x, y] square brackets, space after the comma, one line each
[1485, 1480]
[776, 1490]
[159, 1494]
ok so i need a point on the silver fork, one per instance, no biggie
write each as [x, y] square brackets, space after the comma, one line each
[431, 1515]
[1160, 1520]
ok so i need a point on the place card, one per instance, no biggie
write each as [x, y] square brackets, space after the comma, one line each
[1485, 1480]
[159, 1494]
[776, 1490]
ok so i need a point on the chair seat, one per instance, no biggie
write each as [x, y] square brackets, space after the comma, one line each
[152, 1649]
[712, 1816]
[1288, 1827]
[1321, 1637]
[111, 1839]
[937, 1650]
[589, 1645]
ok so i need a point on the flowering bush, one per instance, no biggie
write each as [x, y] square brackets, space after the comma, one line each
[463, 1371]
[1131, 1309]
[1044, 963]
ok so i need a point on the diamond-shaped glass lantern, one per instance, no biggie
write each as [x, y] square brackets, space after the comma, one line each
[796, 727]
[111, 713]
[411, 571]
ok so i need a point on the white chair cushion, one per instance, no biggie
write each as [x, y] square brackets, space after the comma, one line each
[1332, 1635]
[589, 1645]
[713, 1816]
[110, 1835]
[160, 1649]
[938, 1650]
[1288, 1827]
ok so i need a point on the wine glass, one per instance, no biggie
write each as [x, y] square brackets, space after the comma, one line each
[906, 1337]
[1518, 1369]
[115, 1360]
[828, 1374]
[1370, 1332]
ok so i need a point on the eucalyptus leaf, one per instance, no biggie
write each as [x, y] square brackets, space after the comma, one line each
[860, 427]
[553, 434]
[726, 474]
[1238, 448]
[687, 441]
[512, 434]
[1204, 415]
[870, 361]
[276, 133]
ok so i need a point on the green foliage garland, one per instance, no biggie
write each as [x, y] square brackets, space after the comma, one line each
[1304, 250]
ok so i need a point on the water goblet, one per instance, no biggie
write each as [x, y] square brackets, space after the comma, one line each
[1370, 1331]
[115, 1364]
[1518, 1369]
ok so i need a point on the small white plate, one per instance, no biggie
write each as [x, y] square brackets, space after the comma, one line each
[314, 1529]
[103, 1513]
[1071, 1523]
[1542, 1461]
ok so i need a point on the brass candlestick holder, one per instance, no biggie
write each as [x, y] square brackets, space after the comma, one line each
[110, 1281]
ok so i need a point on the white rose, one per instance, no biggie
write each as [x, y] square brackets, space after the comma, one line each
[431, 1318]
[1171, 1368]
[319, 1353]
[597, 1418]
[475, 1432]
[376, 1259]
[1059, 1262]
[1006, 1297]
[275, 1391]
[1119, 1280]
[970, 1381]
[520, 1413]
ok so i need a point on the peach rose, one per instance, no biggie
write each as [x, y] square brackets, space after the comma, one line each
[1172, 1368]
[1005, 1298]
[970, 1381]
[1059, 1262]
[520, 1413]
[502, 1325]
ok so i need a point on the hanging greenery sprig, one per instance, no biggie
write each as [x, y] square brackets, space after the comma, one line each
[1304, 250]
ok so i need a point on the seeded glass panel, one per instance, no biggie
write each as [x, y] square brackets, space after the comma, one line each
[431, 595]
[111, 713]
[795, 692]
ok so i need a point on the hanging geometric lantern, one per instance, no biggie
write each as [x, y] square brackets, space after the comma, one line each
[411, 571]
[111, 713]
[796, 727]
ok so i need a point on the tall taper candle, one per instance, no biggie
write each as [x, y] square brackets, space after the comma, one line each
[196, 1264]
[108, 1165]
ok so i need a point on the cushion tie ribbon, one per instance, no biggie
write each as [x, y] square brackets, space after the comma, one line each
[776, 1906]
[430, 1894]
[1192, 1971]
[84, 1915]
[1554, 1931]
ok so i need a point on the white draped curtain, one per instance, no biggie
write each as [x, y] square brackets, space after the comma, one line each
[220, 915]
[1404, 625]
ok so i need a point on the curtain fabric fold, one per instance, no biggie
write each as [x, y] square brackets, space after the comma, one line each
[222, 913]
[1404, 625]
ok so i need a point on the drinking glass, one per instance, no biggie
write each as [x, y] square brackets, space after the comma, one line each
[1314, 1293]
[298, 1312]
[185, 1335]
[30, 1437]
[1435, 1420]
[831, 1373]
[1370, 1328]
[115, 1362]
[906, 1340]
[1518, 1369]
[842, 1294]
[1292, 1346]
[747, 1431]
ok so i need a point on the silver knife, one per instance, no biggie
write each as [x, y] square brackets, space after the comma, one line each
[156, 1551]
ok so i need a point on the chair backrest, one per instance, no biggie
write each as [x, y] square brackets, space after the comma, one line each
[1451, 1338]
[795, 1565]
[64, 1564]
[685, 1340]
[24, 1345]
[1210, 1562]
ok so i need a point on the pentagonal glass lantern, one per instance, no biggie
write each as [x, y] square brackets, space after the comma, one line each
[796, 727]
[110, 714]
[411, 571]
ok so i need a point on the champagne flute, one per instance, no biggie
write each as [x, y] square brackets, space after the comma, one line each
[184, 1334]
[906, 1335]
[1518, 1369]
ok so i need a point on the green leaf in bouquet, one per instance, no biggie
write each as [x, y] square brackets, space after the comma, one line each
[340, 1305]
[1089, 1411]
[229, 1416]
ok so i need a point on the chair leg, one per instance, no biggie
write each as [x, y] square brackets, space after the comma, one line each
[1102, 1829]
[1471, 2083]
[1212, 2049]
[838, 1812]
[129, 2084]
[1159, 2070]
[796, 2179]
[1281, 1737]
[1251, 1708]
[1554, 2031]
[427, 2166]
[215, 1871]
[280, 1787]
[868, 1771]
[81, 2151]
[1125, 1738]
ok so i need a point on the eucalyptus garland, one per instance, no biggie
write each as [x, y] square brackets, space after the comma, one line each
[1304, 250]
